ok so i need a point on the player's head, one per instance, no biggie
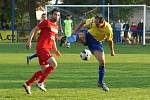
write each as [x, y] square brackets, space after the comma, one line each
[133, 23]
[141, 20]
[99, 20]
[43, 17]
[55, 14]
[68, 17]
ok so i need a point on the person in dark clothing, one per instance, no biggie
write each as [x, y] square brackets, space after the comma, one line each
[126, 31]
[140, 31]
[4, 25]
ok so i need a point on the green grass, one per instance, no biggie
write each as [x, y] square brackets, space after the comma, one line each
[127, 75]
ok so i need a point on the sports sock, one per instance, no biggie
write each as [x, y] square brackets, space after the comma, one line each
[46, 72]
[101, 74]
[32, 56]
[37, 75]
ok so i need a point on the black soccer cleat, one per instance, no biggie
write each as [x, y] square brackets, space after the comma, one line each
[28, 60]
[63, 41]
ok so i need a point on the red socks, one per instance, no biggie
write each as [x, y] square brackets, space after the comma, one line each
[37, 75]
[47, 71]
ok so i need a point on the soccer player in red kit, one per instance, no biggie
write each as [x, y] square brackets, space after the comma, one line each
[45, 43]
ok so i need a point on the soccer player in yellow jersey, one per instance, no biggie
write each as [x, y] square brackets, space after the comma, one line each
[97, 31]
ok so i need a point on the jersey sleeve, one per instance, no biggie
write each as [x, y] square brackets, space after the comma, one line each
[43, 24]
[88, 22]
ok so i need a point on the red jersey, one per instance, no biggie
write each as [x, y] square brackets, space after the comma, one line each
[133, 28]
[47, 35]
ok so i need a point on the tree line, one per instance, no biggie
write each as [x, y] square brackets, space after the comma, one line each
[25, 16]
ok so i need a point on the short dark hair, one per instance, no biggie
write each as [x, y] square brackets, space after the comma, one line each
[43, 14]
[55, 9]
[99, 17]
[68, 15]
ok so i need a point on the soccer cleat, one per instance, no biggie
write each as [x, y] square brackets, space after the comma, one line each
[63, 41]
[41, 86]
[27, 88]
[103, 86]
[28, 60]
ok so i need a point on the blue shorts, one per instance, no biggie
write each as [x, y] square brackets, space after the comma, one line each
[92, 43]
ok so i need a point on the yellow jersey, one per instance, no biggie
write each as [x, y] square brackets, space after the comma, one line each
[99, 33]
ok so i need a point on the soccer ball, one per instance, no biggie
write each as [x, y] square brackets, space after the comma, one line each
[85, 54]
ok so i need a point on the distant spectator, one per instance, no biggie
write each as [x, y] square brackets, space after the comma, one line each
[43, 17]
[52, 2]
[140, 30]
[4, 25]
[68, 26]
[126, 32]
[39, 7]
[133, 29]
[118, 32]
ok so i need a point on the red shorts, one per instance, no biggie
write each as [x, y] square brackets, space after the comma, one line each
[43, 55]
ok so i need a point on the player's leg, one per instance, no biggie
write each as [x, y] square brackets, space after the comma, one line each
[68, 34]
[31, 57]
[52, 65]
[98, 51]
[46, 59]
[136, 37]
[73, 38]
[101, 59]
[37, 75]
[27, 85]
[47, 70]
[140, 36]
[68, 45]
[119, 36]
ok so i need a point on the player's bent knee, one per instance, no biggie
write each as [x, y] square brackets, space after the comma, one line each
[82, 37]
[102, 64]
[52, 62]
[43, 67]
[54, 65]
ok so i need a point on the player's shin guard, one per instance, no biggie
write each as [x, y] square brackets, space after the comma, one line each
[73, 38]
[101, 74]
[46, 73]
[37, 75]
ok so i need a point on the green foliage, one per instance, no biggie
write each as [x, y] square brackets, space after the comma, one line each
[134, 2]
[21, 14]
[81, 2]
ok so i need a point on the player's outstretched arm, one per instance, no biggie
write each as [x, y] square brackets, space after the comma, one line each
[29, 44]
[111, 45]
[54, 47]
[79, 26]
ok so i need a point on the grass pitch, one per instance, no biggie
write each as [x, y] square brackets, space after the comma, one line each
[127, 74]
